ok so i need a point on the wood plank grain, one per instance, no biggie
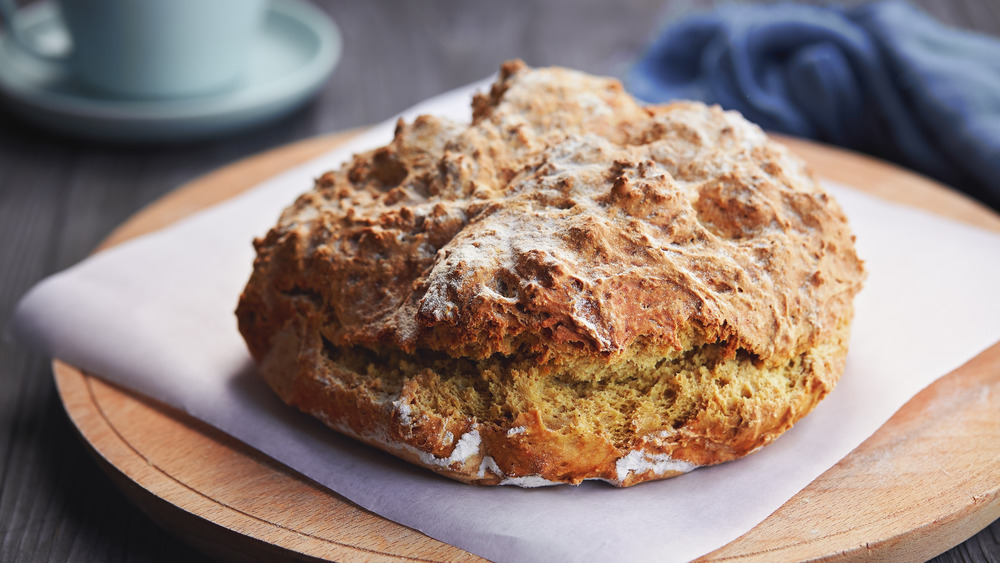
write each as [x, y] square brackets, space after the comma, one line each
[923, 483]
[26, 216]
[48, 485]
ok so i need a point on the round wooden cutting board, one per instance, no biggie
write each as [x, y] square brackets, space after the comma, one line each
[926, 481]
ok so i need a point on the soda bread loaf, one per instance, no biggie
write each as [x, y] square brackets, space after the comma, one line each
[571, 287]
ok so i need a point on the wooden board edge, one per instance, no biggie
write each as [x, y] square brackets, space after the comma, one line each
[915, 427]
[891, 182]
[191, 515]
[132, 474]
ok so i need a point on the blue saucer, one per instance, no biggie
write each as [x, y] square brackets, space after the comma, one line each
[294, 54]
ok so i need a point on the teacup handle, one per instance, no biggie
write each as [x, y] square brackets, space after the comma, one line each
[12, 21]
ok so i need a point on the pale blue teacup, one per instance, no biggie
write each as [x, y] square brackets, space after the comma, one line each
[152, 48]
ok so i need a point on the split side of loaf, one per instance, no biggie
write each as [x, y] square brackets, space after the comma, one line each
[570, 287]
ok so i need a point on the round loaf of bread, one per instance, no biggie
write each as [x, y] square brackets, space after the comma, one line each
[572, 286]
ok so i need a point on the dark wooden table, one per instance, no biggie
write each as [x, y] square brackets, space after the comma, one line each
[59, 197]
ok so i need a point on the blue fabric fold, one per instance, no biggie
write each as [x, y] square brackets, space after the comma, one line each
[883, 78]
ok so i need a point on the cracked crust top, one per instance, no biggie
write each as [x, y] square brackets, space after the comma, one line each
[525, 265]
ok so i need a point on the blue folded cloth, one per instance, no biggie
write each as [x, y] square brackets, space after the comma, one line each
[883, 78]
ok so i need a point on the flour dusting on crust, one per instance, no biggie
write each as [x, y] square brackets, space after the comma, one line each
[571, 286]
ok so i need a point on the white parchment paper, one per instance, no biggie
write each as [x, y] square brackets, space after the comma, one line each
[156, 315]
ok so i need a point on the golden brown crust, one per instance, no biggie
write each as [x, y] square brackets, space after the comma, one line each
[568, 255]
